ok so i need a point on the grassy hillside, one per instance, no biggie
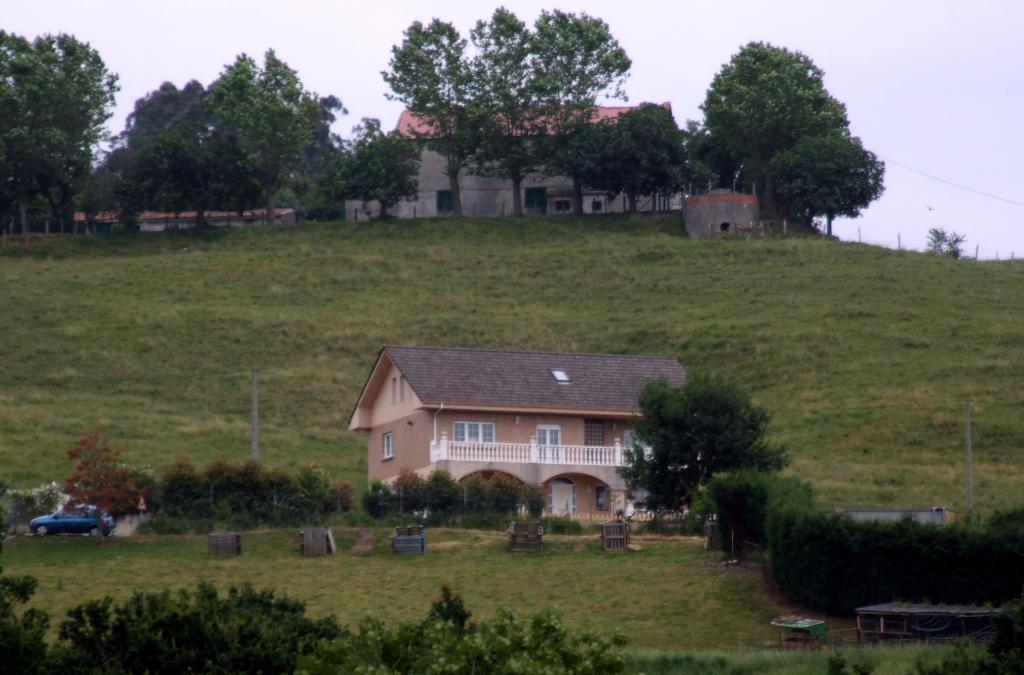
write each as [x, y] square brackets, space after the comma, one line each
[864, 356]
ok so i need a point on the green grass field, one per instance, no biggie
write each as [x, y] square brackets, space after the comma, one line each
[668, 599]
[864, 357]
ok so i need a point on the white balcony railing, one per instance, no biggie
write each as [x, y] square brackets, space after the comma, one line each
[526, 453]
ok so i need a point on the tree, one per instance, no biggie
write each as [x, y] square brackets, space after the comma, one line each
[503, 71]
[430, 74]
[641, 153]
[182, 158]
[764, 101]
[55, 96]
[99, 479]
[576, 59]
[271, 114]
[941, 242]
[379, 167]
[692, 432]
[830, 176]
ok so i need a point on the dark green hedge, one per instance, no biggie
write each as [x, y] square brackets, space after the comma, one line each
[832, 563]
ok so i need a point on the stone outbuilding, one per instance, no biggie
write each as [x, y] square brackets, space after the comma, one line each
[720, 212]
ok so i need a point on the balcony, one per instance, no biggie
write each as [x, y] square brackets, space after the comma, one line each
[526, 453]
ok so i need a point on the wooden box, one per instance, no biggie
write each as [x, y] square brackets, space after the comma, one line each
[410, 540]
[224, 544]
[525, 537]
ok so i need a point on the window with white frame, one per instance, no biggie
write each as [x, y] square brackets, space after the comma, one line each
[549, 437]
[389, 446]
[473, 432]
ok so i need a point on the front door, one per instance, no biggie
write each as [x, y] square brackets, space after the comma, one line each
[562, 497]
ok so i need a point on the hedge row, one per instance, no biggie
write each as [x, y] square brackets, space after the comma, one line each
[439, 498]
[832, 563]
[248, 492]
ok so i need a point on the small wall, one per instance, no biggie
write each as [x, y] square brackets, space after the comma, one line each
[720, 212]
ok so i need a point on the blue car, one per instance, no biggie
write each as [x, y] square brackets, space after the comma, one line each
[84, 520]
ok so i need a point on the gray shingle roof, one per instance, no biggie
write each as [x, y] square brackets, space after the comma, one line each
[492, 377]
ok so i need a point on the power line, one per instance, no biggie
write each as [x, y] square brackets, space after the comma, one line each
[951, 183]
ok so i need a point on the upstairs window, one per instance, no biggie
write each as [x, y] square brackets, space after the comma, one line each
[561, 377]
[389, 446]
[473, 432]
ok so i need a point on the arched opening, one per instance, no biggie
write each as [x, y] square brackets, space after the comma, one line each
[724, 227]
[580, 495]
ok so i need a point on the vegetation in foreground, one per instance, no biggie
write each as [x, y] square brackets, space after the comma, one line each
[863, 357]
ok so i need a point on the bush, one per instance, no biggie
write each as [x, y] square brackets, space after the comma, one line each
[314, 492]
[442, 495]
[377, 500]
[246, 631]
[446, 641]
[22, 637]
[534, 501]
[184, 491]
[343, 495]
[409, 491]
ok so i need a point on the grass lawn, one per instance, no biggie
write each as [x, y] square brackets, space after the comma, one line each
[672, 603]
[864, 357]
[669, 596]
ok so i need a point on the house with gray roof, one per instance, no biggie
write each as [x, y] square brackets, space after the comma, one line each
[559, 420]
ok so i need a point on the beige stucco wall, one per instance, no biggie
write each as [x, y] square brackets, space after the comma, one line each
[411, 442]
[413, 432]
[512, 428]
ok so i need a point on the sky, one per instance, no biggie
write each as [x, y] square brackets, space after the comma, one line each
[932, 88]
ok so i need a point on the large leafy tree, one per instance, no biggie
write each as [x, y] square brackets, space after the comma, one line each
[764, 101]
[641, 153]
[270, 113]
[55, 96]
[827, 176]
[174, 155]
[690, 433]
[430, 73]
[576, 60]
[380, 167]
[503, 71]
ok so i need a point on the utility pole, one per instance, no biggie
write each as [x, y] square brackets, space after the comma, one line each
[255, 414]
[969, 459]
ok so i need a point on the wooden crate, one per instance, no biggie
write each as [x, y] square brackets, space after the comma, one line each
[316, 541]
[224, 544]
[410, 540]
[615, 535]
[525, 537]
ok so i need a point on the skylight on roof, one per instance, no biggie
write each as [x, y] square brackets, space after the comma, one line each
[561, 376]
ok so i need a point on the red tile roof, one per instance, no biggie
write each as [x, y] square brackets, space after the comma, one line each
[410, 124]
[150, 216]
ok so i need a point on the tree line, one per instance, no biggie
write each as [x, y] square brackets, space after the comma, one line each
[507, 101]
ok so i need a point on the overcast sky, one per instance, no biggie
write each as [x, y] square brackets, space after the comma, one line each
[934, 86]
